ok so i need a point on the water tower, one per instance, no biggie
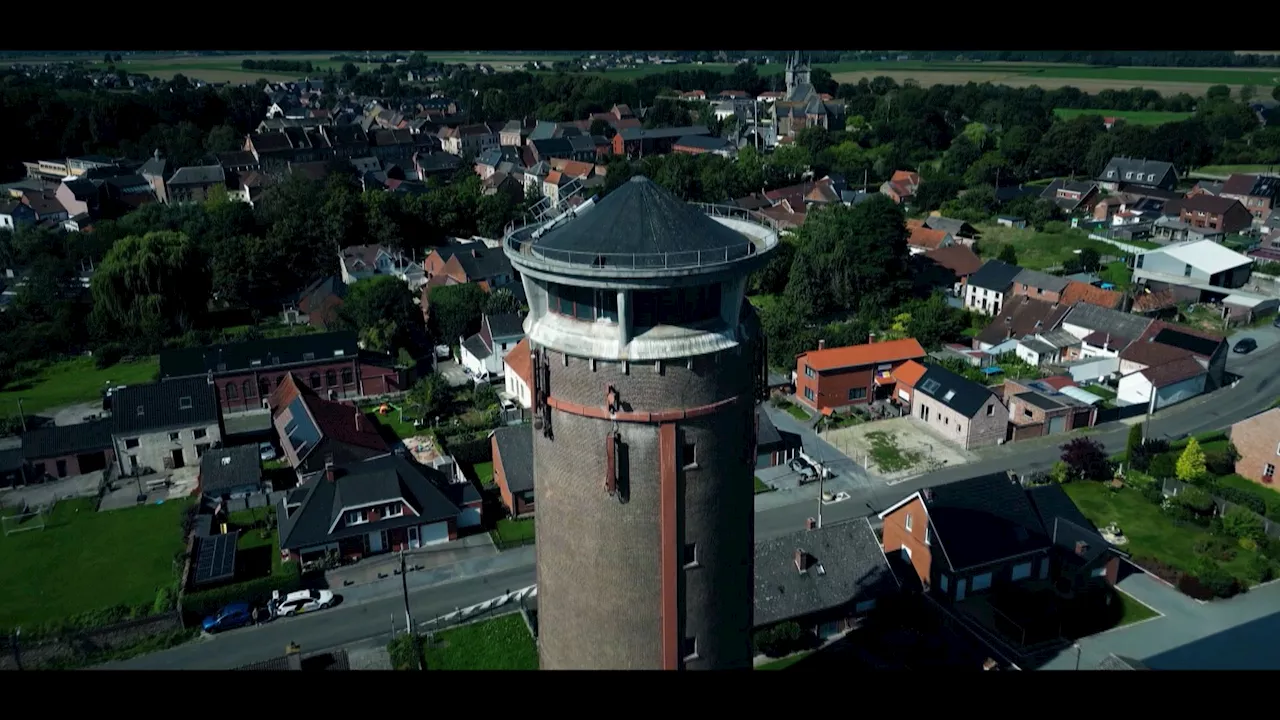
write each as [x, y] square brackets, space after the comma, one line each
[647, 363]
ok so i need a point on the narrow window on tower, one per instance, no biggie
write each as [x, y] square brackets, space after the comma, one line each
[690, 555]
[690, 649]
[689, 455]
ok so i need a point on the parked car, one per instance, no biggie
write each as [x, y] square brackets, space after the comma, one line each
[266, 451]
[1276, 322]
[228, 618]
[807, 472]
[1247, 345]
[296, 603]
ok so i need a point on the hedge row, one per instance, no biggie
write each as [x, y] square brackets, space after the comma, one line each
[198, 605]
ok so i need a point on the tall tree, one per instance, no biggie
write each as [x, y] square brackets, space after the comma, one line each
[381, 308]
[151, 286]
[455, 310]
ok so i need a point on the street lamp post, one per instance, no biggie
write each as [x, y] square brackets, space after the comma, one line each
[1078, 650]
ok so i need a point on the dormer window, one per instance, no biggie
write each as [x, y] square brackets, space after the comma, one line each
[1111, 173]
[184, 403]
[222, 367]
[393, 510]
[357, 517]
[339, 353]
[255, 363]
[308, 356]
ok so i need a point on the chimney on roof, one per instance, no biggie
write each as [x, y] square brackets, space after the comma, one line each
[1106, 344]
[927, 494]
[810, 524]
[1081, 547]
[359, 421]
[822, 344]
[802, 561]
[330, 472]
[871, 338]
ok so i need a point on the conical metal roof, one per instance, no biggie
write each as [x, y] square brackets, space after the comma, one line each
[641, 218]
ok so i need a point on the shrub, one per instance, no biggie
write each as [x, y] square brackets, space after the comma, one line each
[1191, 464]
[1220, 462]
[1191, 586]
[1249, 544]
[1215, 548]
[108, 355]
[1162, 466]
[1153, 495]
[1260, 569]
[1060, 472]
[781, 639]
[1240, 522]
[164, 601]
[1213, 578]
[1168, 573]
[1140, 457]
[198, 605]
[1240, 497]
[1195, 499]
[1134, 444]
[1087, 459]
[405, 651]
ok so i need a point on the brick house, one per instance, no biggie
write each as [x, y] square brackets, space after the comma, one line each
[315, 432]
[1167, 364]
[1256, 192]
[1220, 213]
[386, 504]
[961, 410]
[1039, 285]
[513, 468]
[1071, 196]
[960, 261]
[164, 425]
[58, 451]
[921, 239]
[823, 579]
[902, 187]
[194, 183]
[994, 532]
[318, 304]
[1020, 316]
[907, 376]
[1258, 441]
[1037, 409]
[246, 373]
[854, 375]
[637, 141]
[1123, 172]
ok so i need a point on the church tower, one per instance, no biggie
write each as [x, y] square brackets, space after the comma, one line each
[797, 74]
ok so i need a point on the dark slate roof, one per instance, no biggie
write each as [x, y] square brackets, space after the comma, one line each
[550, 147]
[1042, 280]
[1122, 326]
[983, 519]
[237, 158]
[271, 352]
[372, 481]
[10, 459]
[475, 345]
[515, 444]
[58, 440]
[1064, 522]
[1040, 400]
[1140, 168]
[766, 432]
[995, 275]
[964, 396]
[225, 469]
[477, 261]
[644, 219]
[639, 133]
[843, 562]
[180, 402]
[198, 175]
[82, 189]
[1186, 341]
[703, 142]
[505, 325]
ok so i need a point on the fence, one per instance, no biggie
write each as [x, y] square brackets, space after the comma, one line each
[513, 544]
[16, 654]
[1133, 249]
[1172, 487]
[485, 610]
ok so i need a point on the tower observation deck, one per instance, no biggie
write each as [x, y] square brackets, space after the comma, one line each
[647, 365]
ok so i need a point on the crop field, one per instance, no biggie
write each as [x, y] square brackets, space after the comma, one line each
[1137, 117]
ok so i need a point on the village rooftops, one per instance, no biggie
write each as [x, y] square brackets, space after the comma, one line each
[198, 175]
[994, 275]
[641, 226]
[640, 133]
[867, 354]
[182, 402]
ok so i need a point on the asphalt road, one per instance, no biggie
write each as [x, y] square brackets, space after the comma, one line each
[349, 623]
[345, 624]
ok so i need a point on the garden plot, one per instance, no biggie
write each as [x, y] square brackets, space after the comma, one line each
[896, 449]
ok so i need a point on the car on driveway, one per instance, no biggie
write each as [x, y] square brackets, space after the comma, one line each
[1246, 345]
[228, 618]
[805, 470]
[296, 603]
[266, 451]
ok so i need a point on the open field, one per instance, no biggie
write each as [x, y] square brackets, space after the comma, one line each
[72, 381]
[1038, 250]
[85, 560]
[1137, 117]
[1225, 170]
[503, 643]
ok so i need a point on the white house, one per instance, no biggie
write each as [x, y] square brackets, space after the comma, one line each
[1163, 385]
[484, 353]
[986, 289]
[366, 261]
[518, 374]
[1102, 332]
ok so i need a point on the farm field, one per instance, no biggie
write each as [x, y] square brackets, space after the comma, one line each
[1225, 170]
[1137, 117]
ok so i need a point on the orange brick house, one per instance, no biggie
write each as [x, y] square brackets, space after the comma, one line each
[902, 187]
[1257, 439]
[513, 468]
[969, 536]
[854, 375]
[906, 376]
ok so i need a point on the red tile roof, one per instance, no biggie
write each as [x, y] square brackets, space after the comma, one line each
[923, 237]
[1151, 301]
[1173, 372]
[909, 373]
[866, 354]
[1057, 382]
[521, 361]
[959, 259]
[1084, 292]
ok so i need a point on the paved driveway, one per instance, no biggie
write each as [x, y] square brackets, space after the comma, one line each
[1266, 335]
[453, 373]
[1235, 634]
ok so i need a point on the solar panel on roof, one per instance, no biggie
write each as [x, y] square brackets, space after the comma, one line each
[216, 558]
[301, 431]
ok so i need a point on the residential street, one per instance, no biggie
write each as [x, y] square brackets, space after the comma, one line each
[367, 611]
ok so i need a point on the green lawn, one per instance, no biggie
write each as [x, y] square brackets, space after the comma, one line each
[503, 643]
[250, 556]
[795, 411]
[786, 662]
[1101, 391]
[393, 427]
[1150, 531]
[1117, 273]
[1038, 250]
[72, 381]
[1134, 611]
[508, 530]
[887, 455]
[1268, 496]
[1229, 169]
[85, 560]
[764, 301]
[1137, 117]
[484, 472]
[762, 487]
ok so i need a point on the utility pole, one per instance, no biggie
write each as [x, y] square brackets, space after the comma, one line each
[404, 585]
[822, 472]
[22, 416]
[1151, 408]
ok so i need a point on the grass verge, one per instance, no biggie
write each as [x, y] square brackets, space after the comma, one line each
[503, 643]
[484, 472]
[508, 531]
[1134, 611]
[786, 662]
[1136, 117]
[1039, 250]
[762, 486]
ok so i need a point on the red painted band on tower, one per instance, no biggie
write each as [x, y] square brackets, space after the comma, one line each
[661, 416]
[668, 530]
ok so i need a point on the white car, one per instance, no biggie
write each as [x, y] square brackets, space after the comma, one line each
[299, 602]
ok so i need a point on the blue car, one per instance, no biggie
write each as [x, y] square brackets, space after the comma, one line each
[232, 616]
